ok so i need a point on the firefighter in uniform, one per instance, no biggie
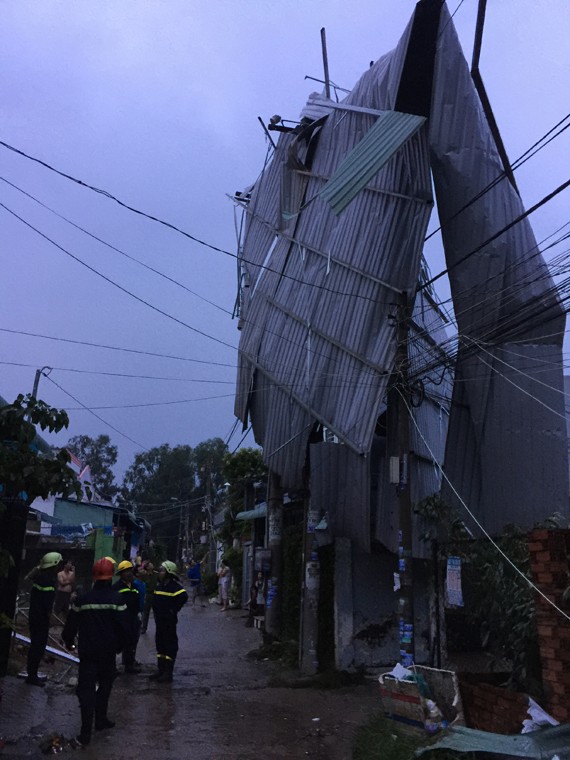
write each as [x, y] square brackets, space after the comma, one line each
[98, 618]
[130, 597]
[44, 578]
[168, 599]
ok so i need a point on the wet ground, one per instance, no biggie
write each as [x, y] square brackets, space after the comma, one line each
[220, 706]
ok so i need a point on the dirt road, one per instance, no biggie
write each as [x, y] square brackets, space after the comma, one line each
[220, 706]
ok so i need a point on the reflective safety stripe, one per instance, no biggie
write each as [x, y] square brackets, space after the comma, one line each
[168, 593]
[118, 607]
[43, 588]
[132, 590]
[163, 657]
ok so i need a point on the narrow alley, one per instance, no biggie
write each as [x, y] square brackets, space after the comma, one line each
[221, 705]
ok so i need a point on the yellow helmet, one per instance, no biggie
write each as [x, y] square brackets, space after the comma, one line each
[170, 568]
[124, 565]
[51, 559]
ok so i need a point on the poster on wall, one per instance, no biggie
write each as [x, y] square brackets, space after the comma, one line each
[453, 591]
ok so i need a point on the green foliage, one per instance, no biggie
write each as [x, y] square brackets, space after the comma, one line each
[501, 603]
[156, 480]
[498, 601]
[23, 468]
[101, 456]
[209, 457]
[241, 470]
[210, 582]
[159, 475]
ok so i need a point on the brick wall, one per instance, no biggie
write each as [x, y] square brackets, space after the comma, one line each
[549, 558]
[493, 708]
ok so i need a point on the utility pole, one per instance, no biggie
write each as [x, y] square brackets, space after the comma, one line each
[308, 661]
[39, 373]
[275, 539]
[399, 442]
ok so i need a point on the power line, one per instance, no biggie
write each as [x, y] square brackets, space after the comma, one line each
[77, 401]
[124, 374]
[114, 248]
[493, 237]
[116, 348]
[116, 284]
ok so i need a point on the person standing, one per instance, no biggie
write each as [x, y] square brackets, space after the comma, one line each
[99, 620]
[195, 578]
[65, 588]
[150, 579]
[224, 578]
[44, 578]
[168, 599]
[130, 596]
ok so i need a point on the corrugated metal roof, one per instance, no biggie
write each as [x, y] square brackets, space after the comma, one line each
[376, 148]
[507, 448]
[318, 341]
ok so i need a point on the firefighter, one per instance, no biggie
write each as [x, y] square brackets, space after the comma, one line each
[98, 618]
[44, 578]
[130, 595]
[168, 599]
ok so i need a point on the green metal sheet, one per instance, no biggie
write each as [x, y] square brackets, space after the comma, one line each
[376, 148]
[543, 744]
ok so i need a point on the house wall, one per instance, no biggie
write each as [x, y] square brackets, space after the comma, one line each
[366, 619]
[73, 514]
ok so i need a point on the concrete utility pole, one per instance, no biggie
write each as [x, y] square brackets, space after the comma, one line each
[399, 425]
[39, 373]
[274, 542]
[308, 661]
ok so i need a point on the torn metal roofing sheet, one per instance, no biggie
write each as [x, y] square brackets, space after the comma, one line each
[507, 447]
[318, 340]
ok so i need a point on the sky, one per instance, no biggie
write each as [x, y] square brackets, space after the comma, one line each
[157, 104]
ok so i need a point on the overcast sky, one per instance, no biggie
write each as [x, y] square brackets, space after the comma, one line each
[157, 104]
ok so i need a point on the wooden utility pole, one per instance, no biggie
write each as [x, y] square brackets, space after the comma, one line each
[274, 542]
[399, 422]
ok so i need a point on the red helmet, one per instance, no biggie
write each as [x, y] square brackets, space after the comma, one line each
[103, 570]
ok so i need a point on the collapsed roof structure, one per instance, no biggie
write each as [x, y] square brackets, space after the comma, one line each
[332, 243]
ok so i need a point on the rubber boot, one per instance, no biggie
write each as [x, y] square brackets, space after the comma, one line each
[166, 675]
[160, 664]
[84, 737]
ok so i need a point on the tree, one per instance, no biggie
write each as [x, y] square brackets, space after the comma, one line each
[26, 472]
[160, 483]
[210, 456]
[101, 456]
[241, 470]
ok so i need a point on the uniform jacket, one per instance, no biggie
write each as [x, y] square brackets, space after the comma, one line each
[42, 595]
[99, 618]
[168, 599]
